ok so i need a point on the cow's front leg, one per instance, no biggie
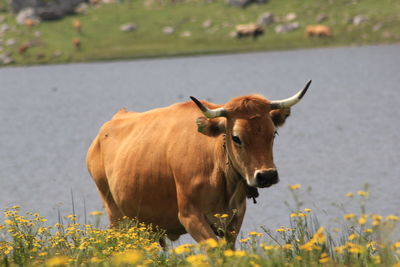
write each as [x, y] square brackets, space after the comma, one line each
[193, 219]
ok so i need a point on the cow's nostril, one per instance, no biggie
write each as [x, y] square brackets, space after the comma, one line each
[265, 178]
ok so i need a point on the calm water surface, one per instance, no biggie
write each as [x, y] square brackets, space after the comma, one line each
[344, 134]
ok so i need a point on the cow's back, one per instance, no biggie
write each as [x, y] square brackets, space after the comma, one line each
[139, 155]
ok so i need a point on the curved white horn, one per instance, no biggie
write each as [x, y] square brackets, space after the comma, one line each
[209, 113]
[288, 102]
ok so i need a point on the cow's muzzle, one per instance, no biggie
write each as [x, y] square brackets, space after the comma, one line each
[266, 178]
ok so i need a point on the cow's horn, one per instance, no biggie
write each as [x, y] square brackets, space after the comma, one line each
[209, 113]
[288, 102]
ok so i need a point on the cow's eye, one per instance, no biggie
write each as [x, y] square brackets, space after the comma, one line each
[236, 139]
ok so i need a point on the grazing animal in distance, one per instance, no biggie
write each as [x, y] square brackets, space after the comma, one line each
[253, 30]
[319, 31]
[177, 166]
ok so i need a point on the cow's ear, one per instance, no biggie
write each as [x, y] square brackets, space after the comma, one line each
[211, 127]
[279, 116]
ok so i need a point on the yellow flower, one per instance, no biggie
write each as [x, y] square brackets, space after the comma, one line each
[294, 187]
[352, 236]
[392, 218]
[240, 253]
[287, 246]
[368, 230]
[182, 249]
[362, 220]
[299, 258]
[9, 222]
[255, 234]
[244, 240]
[362, 193]
[324, 258]
[212, 243]
[229, 253]
[349, 194]
[96, 213]
[300, 214]
[349, 216]
[281, 230]
[307, 210]
[319, 235]
[56, 261]
[397, 244]
[339, 249]
[197, 260]
[266, 247]
[217, 215]
[95, 260]
[224, 216]
[293, 215]
[128, 257]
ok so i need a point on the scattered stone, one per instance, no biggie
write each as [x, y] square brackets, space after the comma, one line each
[37, 34]
[82, 8]
[128, 27]
[357, 20]
[387, 35]
[186, 34]
[168, 30]
[321, 17]
[27, 14]
[2, 18]
[10, 42]
[288, 27]
[266, 19]
[4, 27]
[6, 59]
[207, 23]
[377, 27]
[291, 16]
[244, 3]
[57, 53]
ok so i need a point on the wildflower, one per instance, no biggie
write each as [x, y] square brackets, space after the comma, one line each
[339, 249]
[58, 260]
[300, 214]
[349, 216]
[299, 258]
[96, 213]
[392, 218]
[255, 234]
[240, 253]
[294, 187]
[397, 244]
[349, 194]
[293, 215]
[229, 253]
[281, 229]
[319, 235]
[197, 260]
[42, 254]
[307, 210]
[9, 222]
[368, 230]
[95, 260]
[287, 246]
[129, 257]
[352, 236]
[182, 249]
[244, 240]
[223, 216]
[362, 193]
[266, 247]
[324, 258]
[217, 215]
[211, 243]
[362, 220]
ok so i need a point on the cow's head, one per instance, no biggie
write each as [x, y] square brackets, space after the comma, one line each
[250, 124]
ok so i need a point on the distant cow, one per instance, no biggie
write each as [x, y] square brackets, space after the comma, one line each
[162, 168]
[319, 30]
[253, 30]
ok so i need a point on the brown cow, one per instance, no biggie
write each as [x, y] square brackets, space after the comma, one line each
[319, 30]
[159, 167]
[253, 30]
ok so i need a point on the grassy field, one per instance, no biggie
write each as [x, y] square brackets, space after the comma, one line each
[102, 39]
[358, 239]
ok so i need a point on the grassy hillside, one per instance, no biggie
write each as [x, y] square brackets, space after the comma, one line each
[102, 39]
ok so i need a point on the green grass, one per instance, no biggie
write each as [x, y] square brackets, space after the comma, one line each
[102, 40]
[356, 239]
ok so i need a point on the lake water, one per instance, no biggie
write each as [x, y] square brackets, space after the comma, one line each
[344, 133]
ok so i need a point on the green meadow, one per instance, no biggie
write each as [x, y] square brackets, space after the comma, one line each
[101, 38]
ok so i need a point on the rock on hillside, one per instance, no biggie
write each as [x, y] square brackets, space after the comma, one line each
[46, 10]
